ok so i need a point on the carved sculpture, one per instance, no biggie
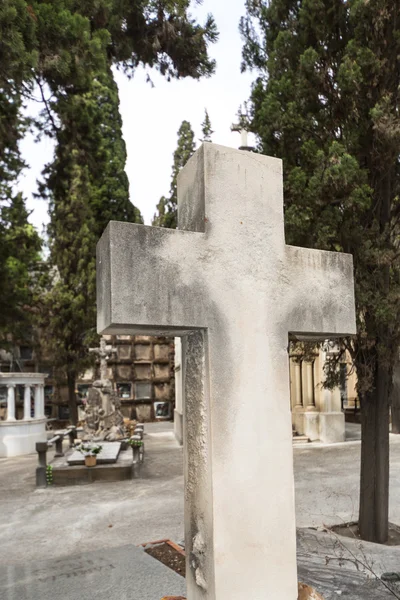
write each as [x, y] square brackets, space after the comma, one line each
[103, 418]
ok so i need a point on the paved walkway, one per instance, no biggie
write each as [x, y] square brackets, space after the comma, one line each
[62, 522]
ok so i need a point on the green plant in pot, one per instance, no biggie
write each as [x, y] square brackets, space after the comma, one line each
[90, 451]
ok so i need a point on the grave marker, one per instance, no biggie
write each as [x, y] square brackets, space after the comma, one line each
[229, 284]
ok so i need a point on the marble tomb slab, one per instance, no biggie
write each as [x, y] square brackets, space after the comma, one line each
[107, 456]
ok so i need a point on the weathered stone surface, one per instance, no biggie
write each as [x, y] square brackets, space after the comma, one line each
[161, 352]
[142, 371]
[234, 289]
[124, 372]
[118, 573]
[343, 567]
[103, 419]
[162, 391]
[161, 371]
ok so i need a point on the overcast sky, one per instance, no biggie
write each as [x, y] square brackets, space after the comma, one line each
[152, 116]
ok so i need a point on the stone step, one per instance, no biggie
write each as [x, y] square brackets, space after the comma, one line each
[300, 439]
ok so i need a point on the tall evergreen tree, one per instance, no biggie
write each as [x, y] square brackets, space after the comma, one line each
[168, 207]
[206, 128]
[67, 48]
[87, 187]
[326, 101]
[69, 310]
[19, 242]
[83, 116]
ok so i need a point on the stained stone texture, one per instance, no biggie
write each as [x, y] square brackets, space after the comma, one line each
[125, 573]
[227, 282]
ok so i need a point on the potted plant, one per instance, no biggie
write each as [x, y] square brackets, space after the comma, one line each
[90, 452]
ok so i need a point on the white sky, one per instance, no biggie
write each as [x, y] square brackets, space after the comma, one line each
[152, 116]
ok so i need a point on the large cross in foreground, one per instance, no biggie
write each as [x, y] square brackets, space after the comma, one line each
[229, 284]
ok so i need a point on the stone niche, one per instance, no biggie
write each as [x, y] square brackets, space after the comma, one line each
[161, 371]
[124, 372]
[124, 352]
[142, 352]
[161, 352]
[162, 391]
[142, 371]
[144, 412]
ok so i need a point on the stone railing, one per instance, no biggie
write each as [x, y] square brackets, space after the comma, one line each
[42, 447]
[19, 436]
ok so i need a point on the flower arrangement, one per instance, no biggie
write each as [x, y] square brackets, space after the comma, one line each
[135, 443]
[89, 449]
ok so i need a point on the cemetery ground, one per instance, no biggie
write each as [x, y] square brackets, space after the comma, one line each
[104, 521]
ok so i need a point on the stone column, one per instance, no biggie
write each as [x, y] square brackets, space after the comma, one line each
[298, 404]
[309, 397]
[311, 415]
[27, 402]
[37, 401]
[11, 402]
[42, 403]
[40, 414]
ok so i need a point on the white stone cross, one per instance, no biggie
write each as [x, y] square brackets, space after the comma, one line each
[227, 282]
[238, 128]
[104, 353]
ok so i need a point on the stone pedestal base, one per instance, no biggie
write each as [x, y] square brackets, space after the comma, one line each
[332, 427]
[298, 421]
[19, 437]
[178, 426]
[328, 427]
[311, 425]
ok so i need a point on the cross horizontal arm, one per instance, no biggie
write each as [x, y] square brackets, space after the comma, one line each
[320, 302]
[142, 285]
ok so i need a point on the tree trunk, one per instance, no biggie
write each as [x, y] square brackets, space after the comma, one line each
[374, 484]
[395, 400]
[73, 407]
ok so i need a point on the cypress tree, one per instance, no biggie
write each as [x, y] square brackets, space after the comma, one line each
[67, 49]
[168, 207]
[19, 242]
[69, 307]
[326, 101]
[206, 128]
[87, 187]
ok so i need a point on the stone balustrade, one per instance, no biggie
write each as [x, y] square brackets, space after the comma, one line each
[19, 436]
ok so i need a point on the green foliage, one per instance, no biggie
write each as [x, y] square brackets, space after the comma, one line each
[168, 207]
[206, 128]
[86, 186]
[68, 310]
[19, 259]
[49, 474]
[68, 41]
[326, 102]
[19, 242]
[67, 49]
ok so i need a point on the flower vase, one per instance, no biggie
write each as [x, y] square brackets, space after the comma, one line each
[90, 461]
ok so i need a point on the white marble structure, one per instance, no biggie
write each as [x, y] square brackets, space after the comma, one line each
[230, 286]
[316, 412]
[19, 436]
